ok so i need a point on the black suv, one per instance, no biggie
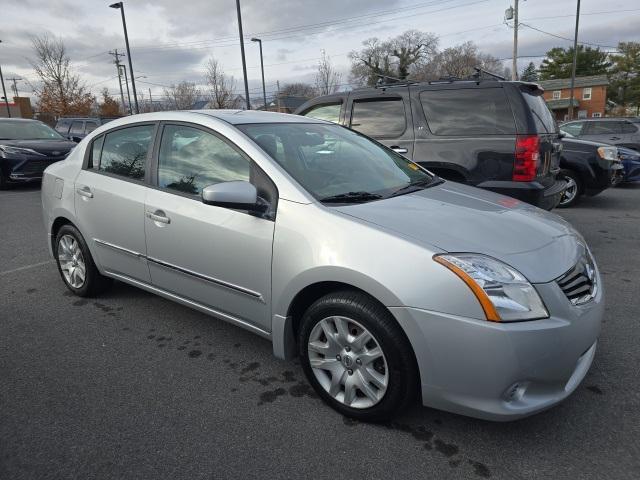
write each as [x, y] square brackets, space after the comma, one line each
[76, 128]
[492, 134]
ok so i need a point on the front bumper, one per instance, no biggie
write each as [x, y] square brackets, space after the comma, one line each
[535, 193]
[503, 371]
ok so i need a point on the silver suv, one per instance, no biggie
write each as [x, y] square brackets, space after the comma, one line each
[387, 281]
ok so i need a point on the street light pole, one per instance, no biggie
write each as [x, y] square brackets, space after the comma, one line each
[126, 82]
[575, 61]
[120, 5]
[264, 90]
[244, 62]
[4, 92]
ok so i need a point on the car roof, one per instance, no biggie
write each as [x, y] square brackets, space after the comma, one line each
[238, 117]
[604, 119]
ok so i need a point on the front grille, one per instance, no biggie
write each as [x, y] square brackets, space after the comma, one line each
[33, 166]
[580, 284]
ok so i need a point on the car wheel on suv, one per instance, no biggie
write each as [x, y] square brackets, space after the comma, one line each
[573, 191]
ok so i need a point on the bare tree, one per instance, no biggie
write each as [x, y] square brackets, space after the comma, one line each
[220, 85]
[327, 77]
[459, 62]
[298, 89]
[60, 91]
[183, 95]
[398, 57]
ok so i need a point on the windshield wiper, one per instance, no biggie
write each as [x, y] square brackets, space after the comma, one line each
[351, 197]
[418, 185]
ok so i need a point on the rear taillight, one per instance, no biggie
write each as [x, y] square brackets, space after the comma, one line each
[527, 157]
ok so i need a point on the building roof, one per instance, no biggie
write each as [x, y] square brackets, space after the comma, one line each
[562, 103]
[560, 83]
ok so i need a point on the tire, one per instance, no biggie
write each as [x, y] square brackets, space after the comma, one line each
[70, 246]
[570, 198]
[391, 380]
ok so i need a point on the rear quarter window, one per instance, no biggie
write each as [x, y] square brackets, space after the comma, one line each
[329, 112]
[542, 116]
[482, 111]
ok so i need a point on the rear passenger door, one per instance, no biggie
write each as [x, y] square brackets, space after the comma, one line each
[109, 199]
[384, 115]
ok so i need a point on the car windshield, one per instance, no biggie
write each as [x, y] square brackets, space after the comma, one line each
[33, 130]
[336, 164]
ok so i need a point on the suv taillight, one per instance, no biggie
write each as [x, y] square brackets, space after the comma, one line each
[527, 157]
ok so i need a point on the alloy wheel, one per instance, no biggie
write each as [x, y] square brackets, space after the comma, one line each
[570, 192]
[71, 261]
[348, 362]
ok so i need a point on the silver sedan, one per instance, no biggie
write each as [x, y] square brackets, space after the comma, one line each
[389, 283]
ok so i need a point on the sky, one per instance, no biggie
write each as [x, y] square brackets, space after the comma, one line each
[171, 40]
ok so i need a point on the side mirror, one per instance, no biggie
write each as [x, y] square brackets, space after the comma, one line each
[76, 139]
[239, 195]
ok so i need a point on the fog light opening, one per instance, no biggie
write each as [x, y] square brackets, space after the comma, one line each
[515, 392]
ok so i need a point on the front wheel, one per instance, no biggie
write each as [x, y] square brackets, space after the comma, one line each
[357, 357]
[573, 191]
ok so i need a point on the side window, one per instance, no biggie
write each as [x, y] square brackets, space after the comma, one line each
[190, 159]
[63, 127]
[627, 127]
[329, 112]
[603, 128]
[90, 127]
[574, 128]
[481, 111]
[76, 128]
[96, 150]
[379, 118]
[125, 151]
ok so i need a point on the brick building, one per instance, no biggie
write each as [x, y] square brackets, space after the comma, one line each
[19, 108]
[589, 96]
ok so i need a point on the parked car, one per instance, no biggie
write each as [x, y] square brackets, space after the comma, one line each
[589, 168]
[383, 278]
[491, 134]
[619, 131]
[27, 147]
[631, 163]
[76, 128]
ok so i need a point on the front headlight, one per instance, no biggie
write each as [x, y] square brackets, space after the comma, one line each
[11, 150]
[503, 292]
[608, 153]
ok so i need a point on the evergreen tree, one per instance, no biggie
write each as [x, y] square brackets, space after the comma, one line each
[530, 73]
[558, 63]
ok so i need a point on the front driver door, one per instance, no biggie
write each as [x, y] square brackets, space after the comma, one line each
[218, 257]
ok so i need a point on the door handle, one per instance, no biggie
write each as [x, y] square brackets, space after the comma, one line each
[398, 149]
[158, 216]
[85, 192]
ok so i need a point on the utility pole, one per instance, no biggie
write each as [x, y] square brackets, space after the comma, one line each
[278, 103]
[575, 61]
[244, 62]
[126, 82]
[514, 72]
[150, 101]
[15, 85]
[264, 90]
[4, 92]
[120, 5]
[117, 56]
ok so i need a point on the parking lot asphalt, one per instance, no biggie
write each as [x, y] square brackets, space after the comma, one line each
[129, 385]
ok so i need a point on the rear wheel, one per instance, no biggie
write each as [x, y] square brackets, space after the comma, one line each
[356, 356]
[573, 191]
[75, 264]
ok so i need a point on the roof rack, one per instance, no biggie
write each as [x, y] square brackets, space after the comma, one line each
[480, 71]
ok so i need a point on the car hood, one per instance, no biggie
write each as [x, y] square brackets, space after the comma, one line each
[458, 218]
[49, 147]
